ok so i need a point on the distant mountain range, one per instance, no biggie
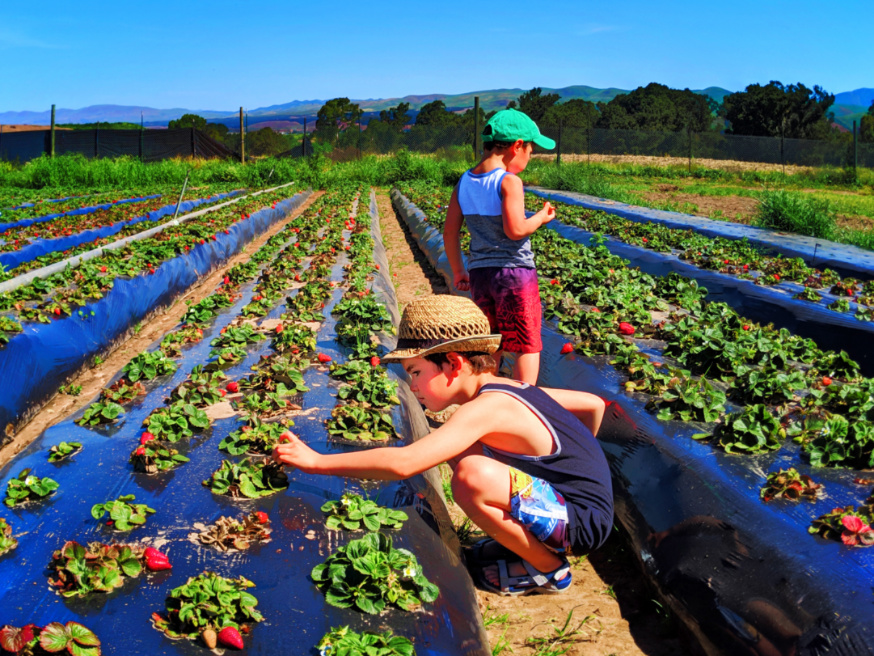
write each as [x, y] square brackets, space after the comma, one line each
[849, 105]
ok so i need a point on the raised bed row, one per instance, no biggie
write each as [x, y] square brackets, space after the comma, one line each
[72, 207]
[20, 248]
[297, 615]
[726, 561]
[49, 338]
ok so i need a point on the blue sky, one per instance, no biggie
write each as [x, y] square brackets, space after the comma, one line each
[222, 54]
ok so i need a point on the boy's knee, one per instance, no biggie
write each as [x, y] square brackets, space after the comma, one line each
[474, 475]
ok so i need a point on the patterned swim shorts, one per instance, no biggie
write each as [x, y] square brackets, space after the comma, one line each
[510, 298]
[540, 509]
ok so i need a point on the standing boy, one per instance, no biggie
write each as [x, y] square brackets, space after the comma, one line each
[527, 468]
[500, 271]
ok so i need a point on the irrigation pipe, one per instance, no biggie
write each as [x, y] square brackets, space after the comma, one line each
[57, 267]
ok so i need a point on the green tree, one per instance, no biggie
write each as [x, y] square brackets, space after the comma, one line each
[435, 114]
[657, 107]
[188, 121]
[395, 117]
[335, 116]
[534, 103]
[866, 126]
[265, 142]
[217, 131]
[575, 113]
[773, 110]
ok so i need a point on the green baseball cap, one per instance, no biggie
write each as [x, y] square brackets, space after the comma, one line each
[511, 124]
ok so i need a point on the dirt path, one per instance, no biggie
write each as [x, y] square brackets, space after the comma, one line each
[150, 329]
[611, 608]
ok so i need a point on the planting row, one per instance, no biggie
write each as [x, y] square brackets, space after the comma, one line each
[59, 236]
[53, 326]
[713, 529]
[728, 256]
[245, 415]
[76, 206]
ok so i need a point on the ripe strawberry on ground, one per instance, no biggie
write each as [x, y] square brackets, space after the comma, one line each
[826, 381]
[261, 516]
[567, 348]
[233, 387]
[626, 328]
[230, 637]
[324, 358]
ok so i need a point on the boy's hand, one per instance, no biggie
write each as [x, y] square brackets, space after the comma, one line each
[549, 212]
[291, 451]
[461, 281]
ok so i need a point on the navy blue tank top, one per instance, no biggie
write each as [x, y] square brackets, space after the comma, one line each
[577, 468]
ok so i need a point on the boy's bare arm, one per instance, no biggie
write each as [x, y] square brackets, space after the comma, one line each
[469, 423]
[452, 243]
[588, 408]
[516, 225]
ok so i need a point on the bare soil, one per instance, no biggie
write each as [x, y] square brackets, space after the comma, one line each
[738, 209]
[647, 160]
[94, 379]
[612, 609]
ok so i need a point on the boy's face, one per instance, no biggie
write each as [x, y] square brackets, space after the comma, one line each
[430, 383]
[521, 156]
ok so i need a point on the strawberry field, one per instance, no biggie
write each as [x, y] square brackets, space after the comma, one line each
[153, 519]
[739, 449]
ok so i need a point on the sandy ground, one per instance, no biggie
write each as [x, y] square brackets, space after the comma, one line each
[611, 608]
[648, 160]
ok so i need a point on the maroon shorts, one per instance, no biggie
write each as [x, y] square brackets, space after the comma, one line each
[510, 298]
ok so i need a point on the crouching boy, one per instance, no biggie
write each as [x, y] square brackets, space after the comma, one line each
[527, 468]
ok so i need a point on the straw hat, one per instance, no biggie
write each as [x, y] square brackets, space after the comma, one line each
[440, 324]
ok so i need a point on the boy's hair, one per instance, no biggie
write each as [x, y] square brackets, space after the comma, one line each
[480, 361]
[500, 145]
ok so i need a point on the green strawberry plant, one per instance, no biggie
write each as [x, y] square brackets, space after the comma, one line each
[176, 421]
[751, 430]
[275, 371]
[64, 450]
[154, 457]
[99, 413]
[246, 479]
[354, 513]
[361, 424]
[690, 400]
[294, 338]
[265, 403]
[256, 437]
[850, 525]
[808, 294]
[148, 366]
[208, 603]
[226, 356]
[841, 443]
[789, 484]
[342, 641]
[7, 542]
[202, 388]
[172, 343]
[368, 384]
[123, 392]
[77, 571]
[31, 640]
[123, 515]
[241, 335]
[27, 487]
[369, 574]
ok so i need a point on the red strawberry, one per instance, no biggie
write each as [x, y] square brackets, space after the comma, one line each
[155, 560]
[261, 517]
[226, 280]
[377, 266]
[826, 381]
[626, 328]
[222, 392]
[230, 637]
[151, 552]
[553, 282]
[233, 387]
[227, 232]
[57, 311]
[141, 451]
[645, 240]
[746, 327]
[103, 269]
[776, 276]
[324, 358]
[279, 328]
[203, 241]
[594, 309]
[374, 361]
[567, 348]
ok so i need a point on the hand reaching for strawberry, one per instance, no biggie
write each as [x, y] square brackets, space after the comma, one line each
[291, 451]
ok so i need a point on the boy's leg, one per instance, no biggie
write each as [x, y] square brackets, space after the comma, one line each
[481, 486]
[527, 367]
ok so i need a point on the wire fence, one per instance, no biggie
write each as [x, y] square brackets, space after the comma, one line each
[572, 143]
[147, 145]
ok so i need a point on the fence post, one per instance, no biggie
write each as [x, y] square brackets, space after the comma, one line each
[303, 144]
[477, 146]
[242, 138]
[53, 131]
[855, 152]
[690, 149]
[558, 145]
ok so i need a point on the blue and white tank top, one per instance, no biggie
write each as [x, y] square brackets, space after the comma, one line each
[479, 195]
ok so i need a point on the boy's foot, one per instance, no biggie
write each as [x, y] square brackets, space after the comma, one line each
[487, 551]
[519, 577]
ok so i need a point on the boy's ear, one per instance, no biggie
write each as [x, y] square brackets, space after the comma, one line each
[455, 362]
[518, 145]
